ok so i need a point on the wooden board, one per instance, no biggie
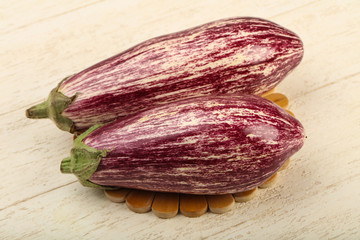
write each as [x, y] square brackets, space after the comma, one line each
[43, 42]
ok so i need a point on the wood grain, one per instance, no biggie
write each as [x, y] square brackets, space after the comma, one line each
[43, 42]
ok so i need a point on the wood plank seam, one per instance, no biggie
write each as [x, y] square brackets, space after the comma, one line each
[50, 17]
[293, 9]
[36, 195]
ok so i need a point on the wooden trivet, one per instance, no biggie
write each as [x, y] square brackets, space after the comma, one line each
[167, 205]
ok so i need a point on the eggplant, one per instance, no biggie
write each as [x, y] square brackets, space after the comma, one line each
[204, 145]
[229, 56]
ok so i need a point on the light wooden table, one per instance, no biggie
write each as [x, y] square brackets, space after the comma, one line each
[317, 197]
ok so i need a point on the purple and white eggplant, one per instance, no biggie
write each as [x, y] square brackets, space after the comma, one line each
[237, 55]
[204, 145]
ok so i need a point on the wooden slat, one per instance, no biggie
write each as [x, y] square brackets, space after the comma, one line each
[193, 205]
[270, 182]
[165, 205]
[37, 202]
[220, 203]
[117, 195]
[269, 92]
[14, 18]
[285, 165]
[245, 196]
[291, 113]
[279, 99]
[140, 201]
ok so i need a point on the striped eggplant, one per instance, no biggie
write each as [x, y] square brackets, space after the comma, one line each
[237, 55]
[204, 145]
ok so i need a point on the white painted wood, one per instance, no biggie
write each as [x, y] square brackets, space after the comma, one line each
[316, 197]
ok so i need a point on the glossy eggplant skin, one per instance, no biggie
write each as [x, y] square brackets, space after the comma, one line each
[204, 145]
[228, 56]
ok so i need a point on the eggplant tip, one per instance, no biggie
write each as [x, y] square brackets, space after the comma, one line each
[65, 166]
[27, 113]
[38, 111]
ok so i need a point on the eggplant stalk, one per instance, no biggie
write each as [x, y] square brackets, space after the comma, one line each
[38, 111]
[65, 166]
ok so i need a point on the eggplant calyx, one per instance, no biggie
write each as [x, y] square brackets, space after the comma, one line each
[52, 108]
[84, 160]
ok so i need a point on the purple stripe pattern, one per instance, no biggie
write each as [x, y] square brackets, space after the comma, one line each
[237, 55]
[204, 145]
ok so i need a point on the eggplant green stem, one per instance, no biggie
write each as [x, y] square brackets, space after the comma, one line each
[38, 111]
[84, 160]
[65, 165]
[52, 108]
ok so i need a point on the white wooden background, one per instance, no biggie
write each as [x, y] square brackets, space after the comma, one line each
[317, 197]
